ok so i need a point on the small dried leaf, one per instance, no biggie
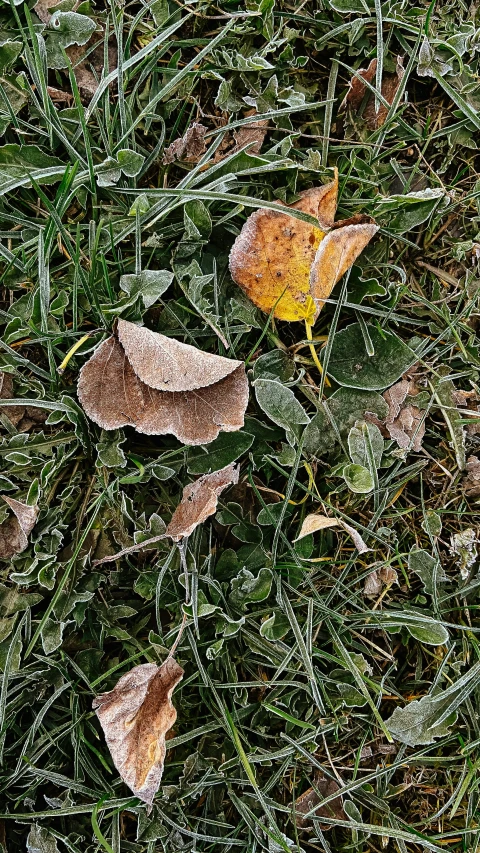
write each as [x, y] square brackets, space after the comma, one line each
[14, 531]
[313, 522]
[251, 134]
[311, 799]
[88, 71]
[471, 482]
[135, 717]
[43, 9]
[199, 500]
[373, 585]
[113, 395]
[358, 89]
[272, 256]
[189, 148]
[335, 255]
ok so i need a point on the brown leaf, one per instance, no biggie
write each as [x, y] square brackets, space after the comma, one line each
[310, 798]
[113, 395]
[335, 255]
[468, 400]
[13, 413]
[135, 717]
[44, 8]
[358, 89]
[471, 481]
[87, 80]
[15, 530]
[189, 148]
[199, 500]
[251, 134]
[375, 581]
[273, 254]
[404, 420]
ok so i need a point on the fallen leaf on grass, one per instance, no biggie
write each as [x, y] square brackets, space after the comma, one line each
[468, 401]
[199, 500]
[314, 522]
[312, 799]
[135, 717]
[358, 89]
[280, 261]
[88, 69]
[189, 147]
[404, 422]
[15, 530]
[159, 385]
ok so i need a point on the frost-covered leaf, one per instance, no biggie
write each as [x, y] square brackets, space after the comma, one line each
[281, 406]
[429, 569]
[149, 284]
[65, 29]
[350, 364]
[358, 479]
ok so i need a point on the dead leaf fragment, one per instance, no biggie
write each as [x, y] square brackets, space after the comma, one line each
[189, 148]
[135, 717]
[199, 500]
[405, 421]
[252, 134]
[22, 417]
[313, 522]
[272, 256]
[468, 401]
[376, 580]
[312, 799]
[14, 531]
[471, 481]
[88, 71]
[206, 393]
[358, 89]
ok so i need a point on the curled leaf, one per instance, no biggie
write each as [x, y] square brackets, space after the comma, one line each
[159, 385]
[199, 500]
[15, 530]
[135, 717]
[336, 253]
[312, 523]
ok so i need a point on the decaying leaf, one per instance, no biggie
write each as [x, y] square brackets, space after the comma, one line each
[468, 401]
[15, 530]
[22, 417]
[313, 522]
[159, 385]
[199, 500]
[135, 717]
[312, 799]
[189, 148]
[251, 134]
[405, 421]
[88, 68]
[376, 580]
[358, 89]
[471, 482]
[279, 261]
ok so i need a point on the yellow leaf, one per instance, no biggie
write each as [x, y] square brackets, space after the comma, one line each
[273, 254]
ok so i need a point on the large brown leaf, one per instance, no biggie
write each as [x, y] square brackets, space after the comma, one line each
[311, 800]
[271, 257]
[199, 500]
[113, 395]
[15, 530]
[357, 91]
[135, 717]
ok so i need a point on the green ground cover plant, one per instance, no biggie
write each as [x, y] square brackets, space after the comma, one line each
[325, 612]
